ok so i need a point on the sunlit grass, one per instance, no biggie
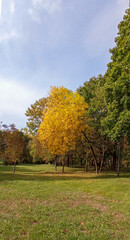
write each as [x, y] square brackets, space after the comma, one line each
[37, 203]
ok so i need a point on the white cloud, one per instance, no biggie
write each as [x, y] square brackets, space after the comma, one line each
[8, 36]
[12, 8]
[15, 98]
[10, 97]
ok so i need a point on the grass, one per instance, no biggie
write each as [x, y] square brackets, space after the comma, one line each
[38, 204]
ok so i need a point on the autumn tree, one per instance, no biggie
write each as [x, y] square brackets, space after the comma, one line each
[4, 130]
[13, 145]
[64, 120]
[2, 145]
[38, 153]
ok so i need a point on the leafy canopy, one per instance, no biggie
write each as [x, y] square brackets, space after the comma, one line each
[117, 121]
[64, 120]
[34, 115]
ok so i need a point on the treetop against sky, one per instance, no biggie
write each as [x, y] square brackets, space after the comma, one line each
[52, 43]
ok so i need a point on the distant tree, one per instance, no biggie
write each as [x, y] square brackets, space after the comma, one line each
[2, 145]
[63, 121]
[34, 115]
[14, 150]
[4, 130]
[38, 153]
[9, 128]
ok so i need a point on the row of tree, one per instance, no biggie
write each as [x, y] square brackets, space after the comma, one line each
[89, 127]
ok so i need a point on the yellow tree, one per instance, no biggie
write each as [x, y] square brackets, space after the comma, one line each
[64, 120]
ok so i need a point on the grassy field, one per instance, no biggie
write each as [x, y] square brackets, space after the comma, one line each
[38, 204]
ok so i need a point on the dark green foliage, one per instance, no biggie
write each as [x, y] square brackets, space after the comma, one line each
[117, 121]
[108, 98]
[97, 142]
[93, 93]
[87, 91]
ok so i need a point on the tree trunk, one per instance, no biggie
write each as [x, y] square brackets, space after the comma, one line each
[68, 160]
[102, 162]
[62, 166]
[114, 158]
[81, 161]
[14, 167]
[71, 163]
[71, 160]
[86, 165]
[93, 162]
[94, 158]
[118, 168]
[93, 153]
[55, 165]
[118, 163]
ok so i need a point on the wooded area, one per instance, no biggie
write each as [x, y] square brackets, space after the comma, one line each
[88, 128]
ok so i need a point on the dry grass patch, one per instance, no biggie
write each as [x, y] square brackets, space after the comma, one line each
[74, 200]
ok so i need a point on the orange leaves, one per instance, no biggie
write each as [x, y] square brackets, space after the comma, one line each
[64, 119]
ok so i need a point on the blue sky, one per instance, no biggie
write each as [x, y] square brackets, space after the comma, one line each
[52, 42]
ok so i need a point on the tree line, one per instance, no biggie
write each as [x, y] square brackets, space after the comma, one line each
[89, 127]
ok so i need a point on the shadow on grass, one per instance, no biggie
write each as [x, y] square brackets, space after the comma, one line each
[52, 176]
[32, 168]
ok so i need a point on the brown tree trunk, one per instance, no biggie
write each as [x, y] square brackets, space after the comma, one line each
[14, 167]
[68, 160]
[62, 165]
[93, 162]
[102, 162]
[71, 163]
[55, 165]
[81, 161]
[114, 158]
[94, 158]
[119, 159]
[86, 165]
[93, 153]
[71, 160]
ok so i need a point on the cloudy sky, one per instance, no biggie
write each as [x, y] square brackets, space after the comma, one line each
[52, 42]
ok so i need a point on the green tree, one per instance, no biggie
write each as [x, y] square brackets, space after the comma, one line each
[116, 123]
[34, 115]
[97, 141]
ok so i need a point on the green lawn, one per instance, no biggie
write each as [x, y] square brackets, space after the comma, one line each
[38, 204]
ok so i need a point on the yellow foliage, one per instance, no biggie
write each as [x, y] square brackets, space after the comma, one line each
[64, 120]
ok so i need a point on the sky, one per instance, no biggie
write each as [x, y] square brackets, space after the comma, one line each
[46, 43]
